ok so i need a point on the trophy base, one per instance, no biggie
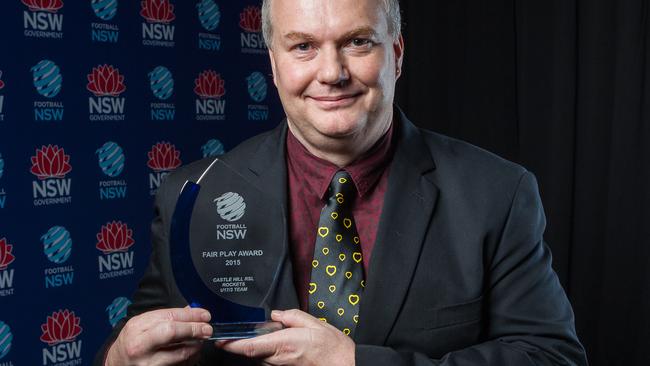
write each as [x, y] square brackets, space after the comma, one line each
[226, 331]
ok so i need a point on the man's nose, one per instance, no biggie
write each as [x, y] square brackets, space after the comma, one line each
[332, 69]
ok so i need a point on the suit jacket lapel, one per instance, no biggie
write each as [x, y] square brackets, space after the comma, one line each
[267, 170]
[406, 214]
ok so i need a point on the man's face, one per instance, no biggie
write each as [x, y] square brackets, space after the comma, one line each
[334, 65]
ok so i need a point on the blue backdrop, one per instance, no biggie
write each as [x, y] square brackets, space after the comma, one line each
[99, 100]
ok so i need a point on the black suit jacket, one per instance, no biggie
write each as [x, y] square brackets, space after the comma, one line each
[460, 274]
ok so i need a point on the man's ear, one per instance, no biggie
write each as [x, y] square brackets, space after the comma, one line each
[398, 50]
[272, 58]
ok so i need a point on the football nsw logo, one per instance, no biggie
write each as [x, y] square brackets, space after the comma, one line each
[213, 148]
[161, 83]
[231, 207]
[48, 82]
[57, 247]
[60, 332]
[104, 9]
[106, 83]
[47, 78]
[157, 30]
[209, 17]
[104, 31]
[5, 339]
[57, 244]
[209, 14]
[41, 19]
[50, 165]
[116, 311]
[111, 160]
[257, 90]
[210, 89]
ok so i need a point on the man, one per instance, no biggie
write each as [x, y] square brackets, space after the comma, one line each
[455, 271]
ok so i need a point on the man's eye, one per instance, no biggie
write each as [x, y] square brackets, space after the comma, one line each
[303, 47]
[361, 42]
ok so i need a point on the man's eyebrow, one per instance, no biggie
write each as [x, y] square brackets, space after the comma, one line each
[299, 36]
[361, 31]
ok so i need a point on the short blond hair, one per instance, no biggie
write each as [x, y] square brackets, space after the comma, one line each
[391, 8]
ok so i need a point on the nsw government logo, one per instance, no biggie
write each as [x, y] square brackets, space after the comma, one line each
[48, 82]
[3, 194]
[2, 98]
[114, 241]
[104, 31]
[41, 19]
[209, 17]
[51, 165]
[6, 273]
[161, 83]
[230, 207]
[106, 84]
[57, 247]
[60, 332]
[163, 158]
[5, 343]
[210, 88]
[111, 162]
[157, 30]
[116, 311]
[250, 21]
[257, 89]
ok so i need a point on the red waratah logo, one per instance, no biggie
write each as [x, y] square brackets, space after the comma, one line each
[157, 11]
[2, 83]
[106, 80]
[114, 237]
[5, 254]
[250, 19]
[61, 326]
[163, 157]
[43, 5]
[50, 162]
[209, 84]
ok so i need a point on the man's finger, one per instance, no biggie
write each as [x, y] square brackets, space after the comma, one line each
[185, 314]
[295, 318]
[168, 332]
[258, 347]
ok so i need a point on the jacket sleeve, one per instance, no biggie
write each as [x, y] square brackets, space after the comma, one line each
[153, 290]
[530, 320]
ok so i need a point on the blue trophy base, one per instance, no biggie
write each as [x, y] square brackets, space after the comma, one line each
[229, 331]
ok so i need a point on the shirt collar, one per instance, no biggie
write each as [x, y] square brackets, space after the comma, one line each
[365, 171]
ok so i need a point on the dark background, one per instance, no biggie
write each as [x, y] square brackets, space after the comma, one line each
[561, 87]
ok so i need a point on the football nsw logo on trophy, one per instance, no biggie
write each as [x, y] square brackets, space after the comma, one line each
[227, 246]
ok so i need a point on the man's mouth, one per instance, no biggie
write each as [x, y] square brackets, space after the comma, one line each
[335, 101]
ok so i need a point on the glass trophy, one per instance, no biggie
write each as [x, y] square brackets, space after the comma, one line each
[227, 247]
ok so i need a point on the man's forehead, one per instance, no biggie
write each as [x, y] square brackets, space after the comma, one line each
[301, 18]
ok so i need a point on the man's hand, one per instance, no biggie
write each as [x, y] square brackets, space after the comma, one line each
[161, 337]
[306, 341]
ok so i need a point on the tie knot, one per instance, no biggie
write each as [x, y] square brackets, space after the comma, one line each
[342, 187]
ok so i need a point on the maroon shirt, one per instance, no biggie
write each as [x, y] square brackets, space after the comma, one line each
[309, 177]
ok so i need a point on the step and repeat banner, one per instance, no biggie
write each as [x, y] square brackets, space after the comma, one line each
[99, 100]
